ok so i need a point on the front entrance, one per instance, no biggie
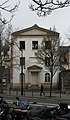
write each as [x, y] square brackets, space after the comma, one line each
[34, 78]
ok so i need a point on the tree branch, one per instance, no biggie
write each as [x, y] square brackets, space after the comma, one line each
[44, 9]
[7, 8]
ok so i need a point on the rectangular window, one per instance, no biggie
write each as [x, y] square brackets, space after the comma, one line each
[34, 44]
[22, 45]
[47, 61]
[47, 44]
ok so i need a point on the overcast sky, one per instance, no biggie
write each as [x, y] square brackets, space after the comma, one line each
[24, 18]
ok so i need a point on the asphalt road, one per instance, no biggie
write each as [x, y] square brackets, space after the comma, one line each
[39, 101]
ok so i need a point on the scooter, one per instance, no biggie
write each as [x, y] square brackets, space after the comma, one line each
[60, 112]
[20, 109]
[4, 110]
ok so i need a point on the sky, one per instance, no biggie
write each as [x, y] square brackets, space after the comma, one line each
[25, 18]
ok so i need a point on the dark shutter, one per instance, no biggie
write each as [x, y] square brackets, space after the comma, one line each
[22, 45]
[47, 44]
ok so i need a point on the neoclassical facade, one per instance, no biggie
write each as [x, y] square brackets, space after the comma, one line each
[34, 74]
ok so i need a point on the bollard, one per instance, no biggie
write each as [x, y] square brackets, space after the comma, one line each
[9, 90]
[24, 92]
[16, 92]
[32, 93]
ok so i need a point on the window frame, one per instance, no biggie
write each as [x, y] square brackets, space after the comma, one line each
[34, 47]
[48, 44]
[47, 77]
[22, 47]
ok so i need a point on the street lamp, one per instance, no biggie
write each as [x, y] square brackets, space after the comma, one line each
[22, 63]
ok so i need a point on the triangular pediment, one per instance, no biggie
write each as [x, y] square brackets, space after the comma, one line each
[34, 67]
[34, 30]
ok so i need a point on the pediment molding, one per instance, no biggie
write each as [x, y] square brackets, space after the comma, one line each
[34, 30]
[34, 67]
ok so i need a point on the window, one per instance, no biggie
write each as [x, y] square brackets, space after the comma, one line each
[47, 61]
[34, 44]
[22, 45]
[47, 44]
[47, 77]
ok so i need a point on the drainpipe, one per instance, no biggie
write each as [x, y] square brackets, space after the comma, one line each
[11, 65]
[1, 64]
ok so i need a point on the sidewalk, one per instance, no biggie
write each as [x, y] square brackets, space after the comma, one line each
[35, 96]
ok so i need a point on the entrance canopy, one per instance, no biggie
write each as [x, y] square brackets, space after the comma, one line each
[34, 68]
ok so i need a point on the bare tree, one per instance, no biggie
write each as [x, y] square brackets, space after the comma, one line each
[6, 45]
[8, 42]
[48, 55]
[6, 7]
[44, 8]
[5, 32]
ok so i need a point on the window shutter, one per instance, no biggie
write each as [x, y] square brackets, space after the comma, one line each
[47, 61]
[22, 45]
[47, 44]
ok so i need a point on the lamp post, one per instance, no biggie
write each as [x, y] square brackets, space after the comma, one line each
[22, 63]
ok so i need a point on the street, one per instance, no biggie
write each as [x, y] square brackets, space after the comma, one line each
[37, 100]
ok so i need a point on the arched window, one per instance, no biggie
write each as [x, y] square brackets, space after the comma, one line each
[47, 77]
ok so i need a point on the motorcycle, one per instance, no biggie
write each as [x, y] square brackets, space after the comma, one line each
[24, 101]
[18, 113]
[61, 112]
[4, 110]
[20, 109]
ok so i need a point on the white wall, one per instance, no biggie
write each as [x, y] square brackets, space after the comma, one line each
[28, 53]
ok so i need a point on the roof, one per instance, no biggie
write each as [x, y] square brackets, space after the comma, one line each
[65, 48]
[35, 26]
